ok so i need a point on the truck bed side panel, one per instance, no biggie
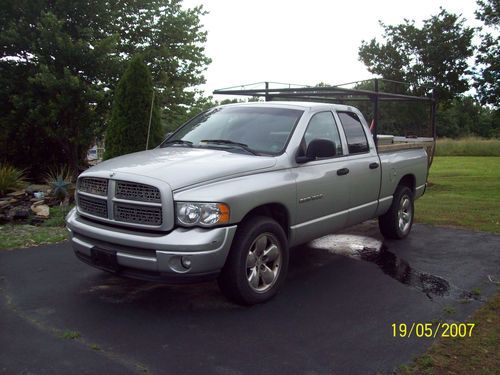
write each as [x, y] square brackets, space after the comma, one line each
[396, 165]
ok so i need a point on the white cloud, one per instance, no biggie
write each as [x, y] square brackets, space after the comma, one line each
[305, 42]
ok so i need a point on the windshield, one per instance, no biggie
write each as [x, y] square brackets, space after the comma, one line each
[259, 129]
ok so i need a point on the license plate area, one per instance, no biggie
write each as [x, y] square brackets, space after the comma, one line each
[104, 258]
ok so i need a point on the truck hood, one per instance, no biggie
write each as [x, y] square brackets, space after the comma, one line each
[182, 166]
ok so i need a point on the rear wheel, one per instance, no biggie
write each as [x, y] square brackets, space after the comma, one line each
[397, 222]
[257, 263]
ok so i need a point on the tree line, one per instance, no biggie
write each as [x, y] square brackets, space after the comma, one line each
[440, 56]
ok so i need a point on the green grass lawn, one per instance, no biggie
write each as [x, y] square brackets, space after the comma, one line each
[464, 191]
[469, 146]
[15, 236]
[24, 235]
[477, 354]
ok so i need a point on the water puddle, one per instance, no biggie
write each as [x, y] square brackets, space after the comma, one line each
[374, 251]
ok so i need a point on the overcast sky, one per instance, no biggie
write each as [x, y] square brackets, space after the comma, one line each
[303, 42]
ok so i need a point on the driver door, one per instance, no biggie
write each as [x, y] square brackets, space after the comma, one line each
[322, 188]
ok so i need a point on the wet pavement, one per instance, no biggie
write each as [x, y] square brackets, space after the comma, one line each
[334, 315]
[375, 251]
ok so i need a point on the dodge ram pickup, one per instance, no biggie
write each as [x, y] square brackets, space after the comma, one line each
[232, 190]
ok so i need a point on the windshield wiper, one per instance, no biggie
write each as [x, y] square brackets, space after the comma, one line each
[229, 143]
[178, 142]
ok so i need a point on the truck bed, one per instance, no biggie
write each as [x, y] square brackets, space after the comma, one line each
[388, 143]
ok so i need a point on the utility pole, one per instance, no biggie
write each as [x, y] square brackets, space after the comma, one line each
[150, 116]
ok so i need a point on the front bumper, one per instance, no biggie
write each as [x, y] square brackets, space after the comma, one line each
[152, 255]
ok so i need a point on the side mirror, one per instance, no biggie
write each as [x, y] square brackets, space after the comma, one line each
[318, 148]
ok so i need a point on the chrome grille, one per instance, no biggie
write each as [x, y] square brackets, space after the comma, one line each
[123, 202]
[97, 186]
[145, 215]
[93, 206]
[137, 192]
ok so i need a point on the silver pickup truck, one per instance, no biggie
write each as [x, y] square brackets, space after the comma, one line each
[233, 189]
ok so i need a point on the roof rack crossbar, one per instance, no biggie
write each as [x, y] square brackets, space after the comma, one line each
[325, 91]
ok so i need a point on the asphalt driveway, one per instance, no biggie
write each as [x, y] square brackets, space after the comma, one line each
[334, 316]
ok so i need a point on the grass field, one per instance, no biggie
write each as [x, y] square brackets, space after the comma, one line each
[471, 146]
[462, 192]
[477, 354]
[14, 236]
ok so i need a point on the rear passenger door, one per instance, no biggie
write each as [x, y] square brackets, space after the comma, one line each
[364, 169]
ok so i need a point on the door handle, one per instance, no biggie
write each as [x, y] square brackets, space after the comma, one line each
[342, 171]
[373, 165]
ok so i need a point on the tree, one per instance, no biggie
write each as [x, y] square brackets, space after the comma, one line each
[173, 120]
[487, 78]
[51, 100]
[434, 55]
[464, 116]
[181, 114]
[172, 42]
[61, 60]
[128, 128]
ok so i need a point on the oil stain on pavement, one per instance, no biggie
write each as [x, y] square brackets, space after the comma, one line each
[118, 290]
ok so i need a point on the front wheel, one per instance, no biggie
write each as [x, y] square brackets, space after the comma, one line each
[257, 262]
[397, 222]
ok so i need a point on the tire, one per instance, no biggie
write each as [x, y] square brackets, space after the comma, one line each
[397, 222]
[257, 263]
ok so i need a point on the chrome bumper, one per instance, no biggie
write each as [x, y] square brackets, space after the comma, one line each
[148, 255]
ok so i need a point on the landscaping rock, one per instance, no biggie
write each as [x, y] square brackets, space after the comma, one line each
[19, 213]
[42, 210]
[17, 194]
[37, 187]
[4, 219]
[39, 194]
[36, 220]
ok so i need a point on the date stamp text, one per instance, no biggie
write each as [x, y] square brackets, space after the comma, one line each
[439, 329]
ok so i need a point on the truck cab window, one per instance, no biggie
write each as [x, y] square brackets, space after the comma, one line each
[354, 132]
[322, 126]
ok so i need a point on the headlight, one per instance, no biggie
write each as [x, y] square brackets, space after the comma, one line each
[202, 214]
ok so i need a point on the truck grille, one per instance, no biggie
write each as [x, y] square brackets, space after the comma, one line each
[121, 202]
[138, 214]
[137, 192]
[97, 186]
[92, 206]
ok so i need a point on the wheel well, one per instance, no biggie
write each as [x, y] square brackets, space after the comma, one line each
[276, 211]
[409, 181]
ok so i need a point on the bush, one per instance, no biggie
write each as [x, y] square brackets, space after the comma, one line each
[60, 181]
[57, 216]
[11, 178]
[128, 129]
